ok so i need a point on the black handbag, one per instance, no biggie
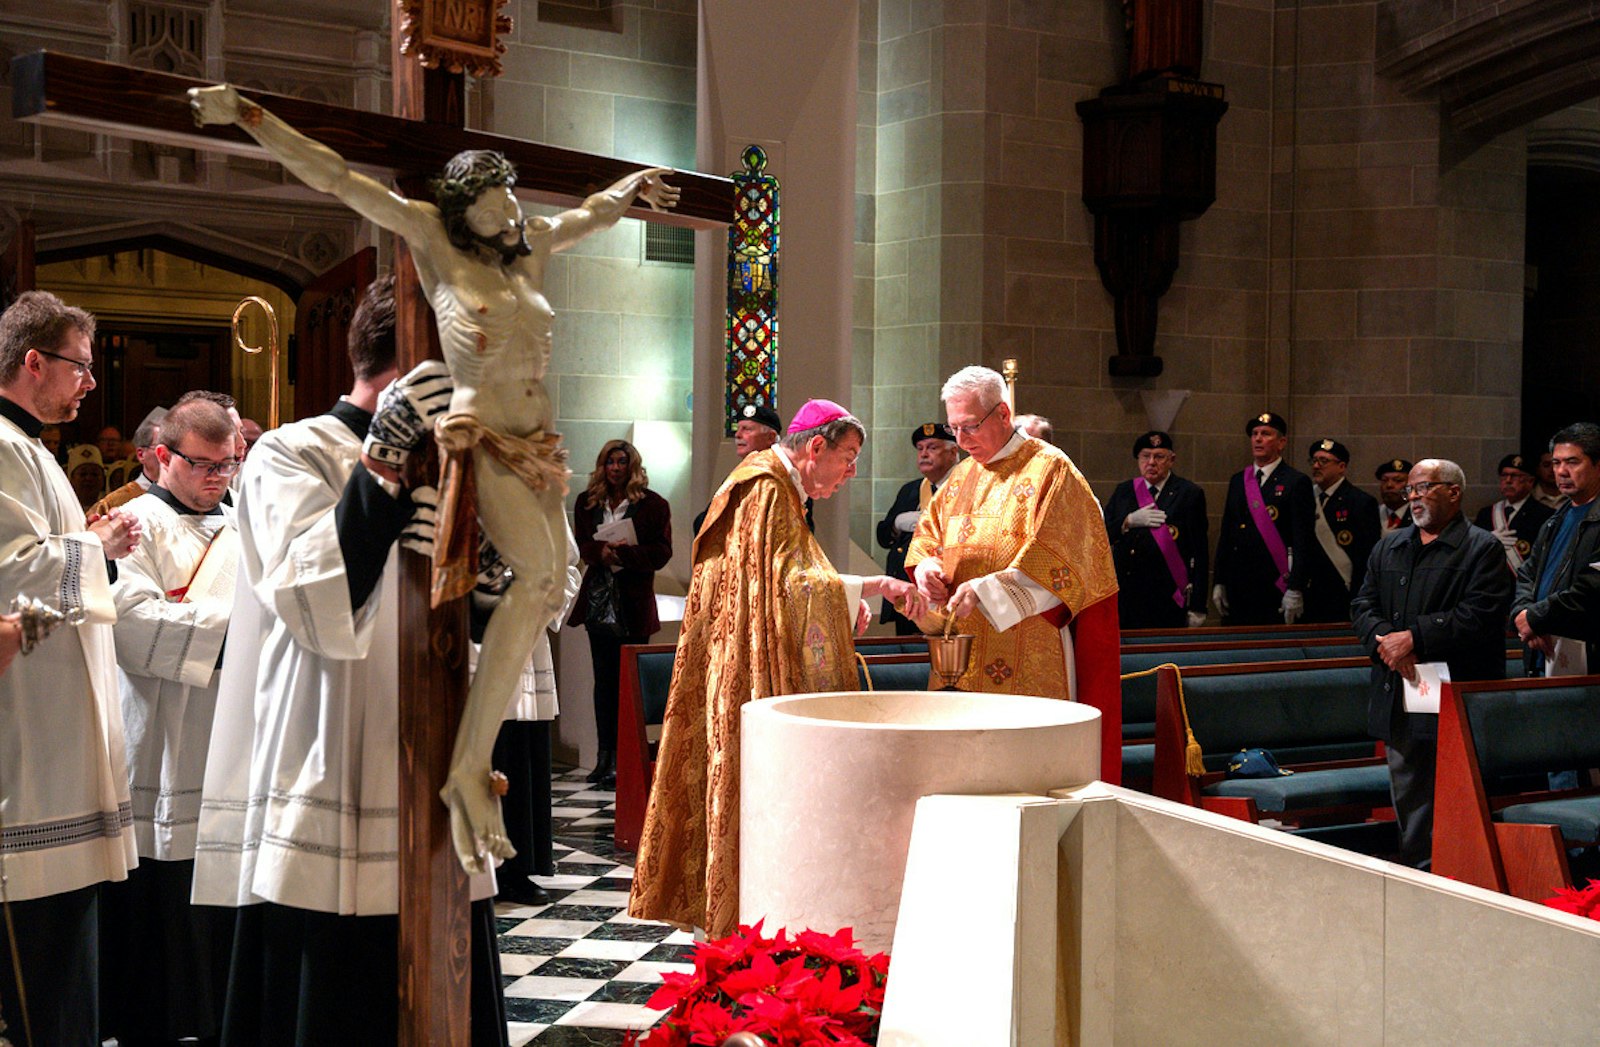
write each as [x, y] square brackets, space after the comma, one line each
[604, 614]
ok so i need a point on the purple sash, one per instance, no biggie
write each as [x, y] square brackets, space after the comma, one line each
[1266, 528]
[1165, 542]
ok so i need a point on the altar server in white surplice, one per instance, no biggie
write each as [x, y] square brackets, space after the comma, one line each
[64, 809]
[166, 960]
[299, 817]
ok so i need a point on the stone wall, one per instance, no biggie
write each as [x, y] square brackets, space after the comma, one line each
[624, 328]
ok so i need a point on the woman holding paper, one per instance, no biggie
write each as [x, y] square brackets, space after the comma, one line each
[624, 533]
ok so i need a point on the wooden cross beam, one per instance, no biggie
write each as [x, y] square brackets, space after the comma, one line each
[58, 90]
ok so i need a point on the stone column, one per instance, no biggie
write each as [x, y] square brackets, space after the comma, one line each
[781, 75]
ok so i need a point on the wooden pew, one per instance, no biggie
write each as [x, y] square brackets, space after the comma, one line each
[1139, 692]
[1227, 633]
[1311, 714]
[1514, 843]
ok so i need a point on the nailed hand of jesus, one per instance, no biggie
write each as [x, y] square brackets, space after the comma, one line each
[214, 105]
[655, 192]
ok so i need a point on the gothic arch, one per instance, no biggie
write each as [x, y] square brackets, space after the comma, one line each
[196, 243]
[1495, 67]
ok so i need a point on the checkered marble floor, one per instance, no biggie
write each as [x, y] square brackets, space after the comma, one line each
[579, 970]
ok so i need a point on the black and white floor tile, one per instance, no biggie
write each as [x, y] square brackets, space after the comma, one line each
[579, 970]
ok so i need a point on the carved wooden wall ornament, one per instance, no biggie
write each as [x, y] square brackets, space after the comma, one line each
[459, 36]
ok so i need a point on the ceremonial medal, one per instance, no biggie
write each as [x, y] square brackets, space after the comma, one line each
[1272, 511]
[1524, 547]
[1345, 537]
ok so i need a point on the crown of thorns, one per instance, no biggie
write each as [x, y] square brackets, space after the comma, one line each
[468, 175]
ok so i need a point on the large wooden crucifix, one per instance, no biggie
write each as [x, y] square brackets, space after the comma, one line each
[426, 130]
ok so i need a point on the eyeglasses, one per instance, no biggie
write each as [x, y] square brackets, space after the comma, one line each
[1324, 459]
[1419, 489]
[226, 467]
[969, 430]
[85, 369]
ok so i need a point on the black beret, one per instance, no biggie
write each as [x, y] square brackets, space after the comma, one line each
[1519, 463]
[1155, 438]
[763, 414]
[931, 431]
[1267, 418]
[1333, 447]
[1393, 465]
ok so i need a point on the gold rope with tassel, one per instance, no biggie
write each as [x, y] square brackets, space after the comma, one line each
[1192, 764]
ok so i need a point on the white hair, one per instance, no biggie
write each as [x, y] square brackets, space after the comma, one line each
[1449, 472]
[982, 382]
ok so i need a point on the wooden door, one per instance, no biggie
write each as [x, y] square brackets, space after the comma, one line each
[321, 365]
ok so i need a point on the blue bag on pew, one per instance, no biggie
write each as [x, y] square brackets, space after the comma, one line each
[1254, 763]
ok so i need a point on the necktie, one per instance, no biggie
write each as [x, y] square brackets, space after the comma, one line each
[1261, 478]
[1322, 498]
[1510, 512]
[1394, 518]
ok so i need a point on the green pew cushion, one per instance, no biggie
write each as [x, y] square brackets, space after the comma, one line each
[1531, 731]
[1138, 762]
[655, 678]
[1268, 633]
[896, 676]
[1289, 755]
[1366, 786]
[1139, 694]
[1278, 710]
[1577, 817]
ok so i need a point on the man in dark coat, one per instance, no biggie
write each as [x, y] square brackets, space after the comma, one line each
[1344, 529]
[937, 454]
[1516, 518]
[1261, 551]
[1558, 588]
[1157, 526]
[1434, 591]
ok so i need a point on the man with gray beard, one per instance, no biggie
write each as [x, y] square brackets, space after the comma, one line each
[1436, 590]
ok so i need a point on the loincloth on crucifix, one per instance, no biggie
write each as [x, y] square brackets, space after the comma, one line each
[537, 459]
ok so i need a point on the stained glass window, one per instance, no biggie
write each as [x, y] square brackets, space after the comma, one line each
[752, 289]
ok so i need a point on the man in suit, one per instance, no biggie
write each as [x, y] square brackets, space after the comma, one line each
[1260, 567]
[936, 456]
[1344, 528]
[1394, 512]
[1516, 518]
[1157, 526]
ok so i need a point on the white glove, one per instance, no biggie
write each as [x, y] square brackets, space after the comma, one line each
[1196, 618]
[1145, 516]
[907, 521]
[418, 533]
[406, 410]
[1219, 596]
[1508, 538]
[1294, 605]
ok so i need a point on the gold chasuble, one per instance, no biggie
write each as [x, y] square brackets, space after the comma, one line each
[765, 615]
[1030, 516]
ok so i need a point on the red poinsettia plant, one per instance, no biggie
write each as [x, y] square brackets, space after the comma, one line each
[1581, 901]
[788, 991]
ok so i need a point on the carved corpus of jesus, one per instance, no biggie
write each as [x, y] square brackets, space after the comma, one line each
[481, 263]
